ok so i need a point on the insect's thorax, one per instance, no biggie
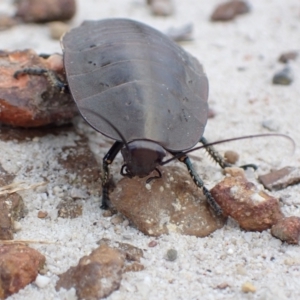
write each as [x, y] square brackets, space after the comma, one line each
[141, 157]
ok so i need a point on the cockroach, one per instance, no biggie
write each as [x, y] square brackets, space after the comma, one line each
[136, 86]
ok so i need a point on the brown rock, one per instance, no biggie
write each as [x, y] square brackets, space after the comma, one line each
[32, 101]
[42, 214]
[229, 10]
[170, 204]
[19, 266]
[287, 229]
[69, 209]
[80, 160]
[46, 10]
[11, 207]
[280, 179]
[96, 276]
[287, 56]
[251, 208]
[231, 157]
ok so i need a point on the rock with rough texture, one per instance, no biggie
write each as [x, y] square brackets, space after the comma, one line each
[287, 229]
[12, 207]
[287, 56]
[46, 10]
[251, 208]
[229, 10]
[280, 179]
[19, 266]
[283, 77]
[170, 204]
[96, 276]
[32, 101]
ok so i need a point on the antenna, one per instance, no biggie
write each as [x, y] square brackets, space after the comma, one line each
[178, 155]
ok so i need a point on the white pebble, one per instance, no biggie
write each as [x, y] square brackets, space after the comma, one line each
[42, 281]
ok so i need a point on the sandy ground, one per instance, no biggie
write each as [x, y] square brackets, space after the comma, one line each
[240, 58]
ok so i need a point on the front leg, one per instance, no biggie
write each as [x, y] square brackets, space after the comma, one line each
[51, 76]
[107, 160]
[198, 181]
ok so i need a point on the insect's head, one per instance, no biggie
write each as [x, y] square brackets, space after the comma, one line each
[141, 157]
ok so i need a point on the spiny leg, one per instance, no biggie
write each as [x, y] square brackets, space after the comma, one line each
[51, 75]
[219, 159]
[107, 160]
[197, 180]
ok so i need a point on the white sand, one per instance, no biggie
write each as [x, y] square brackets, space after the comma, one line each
[242, 101]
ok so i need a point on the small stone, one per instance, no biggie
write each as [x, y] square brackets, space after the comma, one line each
[251, 208]
[280, 179]
[287, 56]
[180, 208]
[211, 113]
[161, 7]
[57, 29]
[78, 194]
[19, 266]
[287, 229]
[17, 226]
[134, 267]
[229, 10]
[6, 21]
[171, 254]
[42, 214]
[222, 286]
[46, 10]
[131, 252]
[42, 281]
[283, 77]
[152, 244]
[107, 213]
[179, 34]
[117, 219]
[96, 276]
[69, 209]
[231, 157]
[235, 172]
[271, 125]
[248, 287]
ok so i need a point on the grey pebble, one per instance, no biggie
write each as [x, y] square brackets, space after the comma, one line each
[283, 77]
[171, 254]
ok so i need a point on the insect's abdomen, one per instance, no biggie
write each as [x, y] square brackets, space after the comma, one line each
[145, 84]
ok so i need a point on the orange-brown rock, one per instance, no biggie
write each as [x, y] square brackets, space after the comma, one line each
[30, 100]
[46, 10]
[251, 208]
[229, 10]
[19, 266]
[287, 229]
[96, 276]
[170, 204]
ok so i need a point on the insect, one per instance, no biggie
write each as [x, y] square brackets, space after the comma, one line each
[136, 86]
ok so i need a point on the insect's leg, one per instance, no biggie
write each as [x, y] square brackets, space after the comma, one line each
[107, 160]
[51, 75]
[214, 154]
[219, 159]
[198, 181]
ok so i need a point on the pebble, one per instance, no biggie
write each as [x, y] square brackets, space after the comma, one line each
[248, 287]
[287, 230]
[42, 281]
[280, 179]
[271, 125]
[161, 7]
[171, 255]
[283, 77]
[229, 10]
[287, 56]
[231, 157]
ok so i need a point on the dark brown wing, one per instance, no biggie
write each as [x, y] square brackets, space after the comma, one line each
[140, 80]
